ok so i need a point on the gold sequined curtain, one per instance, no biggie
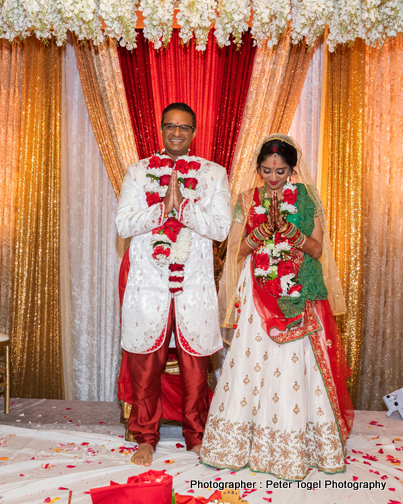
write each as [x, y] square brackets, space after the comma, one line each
[104, 93]
[10, 95]
[276, 84]
[381, 369]
[342, 187]
[35, 336]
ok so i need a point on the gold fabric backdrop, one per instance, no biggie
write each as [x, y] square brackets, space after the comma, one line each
[382, 328]
[104, 92]
[10, 97]
[342, 187]
[35, 344]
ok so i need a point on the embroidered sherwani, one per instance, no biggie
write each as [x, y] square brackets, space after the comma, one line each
[147, 298]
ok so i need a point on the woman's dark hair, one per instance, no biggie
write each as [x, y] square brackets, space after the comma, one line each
[183, 107]
[285, 150]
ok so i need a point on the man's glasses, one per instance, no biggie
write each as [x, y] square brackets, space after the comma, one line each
[183, 128]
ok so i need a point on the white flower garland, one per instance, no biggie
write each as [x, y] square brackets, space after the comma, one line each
[270, 20]
[196, 17]
[158, 21]
[118, 16]
[372, 20]
[232, 19]
[308, 19]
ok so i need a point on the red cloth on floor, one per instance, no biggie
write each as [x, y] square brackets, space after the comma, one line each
[151, 487]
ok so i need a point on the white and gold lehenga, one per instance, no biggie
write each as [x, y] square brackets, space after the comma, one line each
[279, 408]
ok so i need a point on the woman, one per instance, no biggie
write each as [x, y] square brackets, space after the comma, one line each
[281, 405]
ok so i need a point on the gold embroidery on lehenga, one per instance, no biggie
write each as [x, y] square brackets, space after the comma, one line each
[238, 333]
[244, 402]
[320, 412]
[296, 410]
[265, 356]
[294, 358]
[275, 397]
[262, 383]
[247, 353]
[318, 392]
[257, 368]
[226, 387]
[254, 411]
[258, 338]
[232, 364]
[296, 386]
[315, 367]
[288, 454]
[246, 380]
[255, 391]
[221, 408]
[250, 319]
[277, 373]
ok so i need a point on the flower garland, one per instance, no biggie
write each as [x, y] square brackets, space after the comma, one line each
[232, 19]
[196, 17]
[372, 20]
[274, 265]
[118, 16]
[171, 242]
[158, 21]
[270, 20]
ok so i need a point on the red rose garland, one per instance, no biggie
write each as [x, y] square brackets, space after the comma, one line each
[274, 258]
[171, 242]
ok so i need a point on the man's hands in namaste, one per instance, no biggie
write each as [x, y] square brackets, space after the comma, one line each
[275, 220]
[173, 196]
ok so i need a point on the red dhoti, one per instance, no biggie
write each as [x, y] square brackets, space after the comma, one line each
[145, 372]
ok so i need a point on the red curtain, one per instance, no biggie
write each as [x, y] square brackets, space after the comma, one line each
[214, 83]
[136, 72]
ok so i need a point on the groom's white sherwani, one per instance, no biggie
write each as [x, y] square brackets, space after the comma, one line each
[147, 298]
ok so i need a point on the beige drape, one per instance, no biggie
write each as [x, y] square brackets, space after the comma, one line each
[381, 366]
[10, 97]
[105, 96]
[274, 91]
[35, 336]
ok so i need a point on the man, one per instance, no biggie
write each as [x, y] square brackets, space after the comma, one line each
[173, 205]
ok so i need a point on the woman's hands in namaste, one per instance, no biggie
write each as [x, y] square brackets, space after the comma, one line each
[277, 221]
[173, 196]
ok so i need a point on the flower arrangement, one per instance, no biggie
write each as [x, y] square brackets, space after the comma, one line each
[372, 20]
[232, 19]
[196, 17]
[118, 16]
[270, 20]
[171, 242]
[158, 21]
[274, 258]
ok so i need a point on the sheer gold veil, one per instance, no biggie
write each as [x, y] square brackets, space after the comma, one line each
[233, 266]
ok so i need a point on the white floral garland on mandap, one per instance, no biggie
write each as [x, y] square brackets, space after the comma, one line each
[372, 20]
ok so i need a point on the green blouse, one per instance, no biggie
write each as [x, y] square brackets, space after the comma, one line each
[310, 275]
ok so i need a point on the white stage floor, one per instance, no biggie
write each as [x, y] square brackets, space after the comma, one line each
[40, 464]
